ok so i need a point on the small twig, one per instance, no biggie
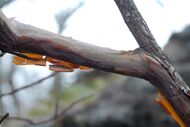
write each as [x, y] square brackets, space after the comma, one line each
[57, 106]
[4, 117]
[21, 119]
[53, 118]
[27, 86]
[160, 3]
[57, 90]
[2, 53]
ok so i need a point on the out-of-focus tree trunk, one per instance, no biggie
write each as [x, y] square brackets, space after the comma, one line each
[5, 2]
[61, 19]
[12, 86]
[57, 91]
[1, 82]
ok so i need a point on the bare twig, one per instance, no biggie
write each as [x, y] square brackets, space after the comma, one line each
[12, 85]
[4, 117]
[28, 86]
[160, 3]
[64, 15]
[57, 90]
[2, 53]
[53, 118]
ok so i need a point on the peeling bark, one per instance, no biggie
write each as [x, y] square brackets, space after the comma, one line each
[29, 39]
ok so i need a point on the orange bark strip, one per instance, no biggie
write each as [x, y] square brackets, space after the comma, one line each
[84, 68]
[63, 63]
[163, 102]
[40, 63]
[35, 56]
[59, 68]
[22, 61]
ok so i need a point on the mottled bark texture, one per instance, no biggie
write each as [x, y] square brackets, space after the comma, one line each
[148, 62]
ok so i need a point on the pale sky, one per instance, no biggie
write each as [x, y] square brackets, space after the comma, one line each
[99, 21]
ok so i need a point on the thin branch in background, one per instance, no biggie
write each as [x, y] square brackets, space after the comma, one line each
[53, 118]
[64, 15]
[57, 88]
[16, 101]
[2, 53]
[5, 2]
[27, 86]
[160, 3]
[57, 103]
[4, 117]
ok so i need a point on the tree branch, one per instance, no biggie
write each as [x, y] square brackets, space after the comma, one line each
[139, 28]
[30, 39]
[27, 86]
[4, 117]
[148, 62]
[165, 78]
[54, 117]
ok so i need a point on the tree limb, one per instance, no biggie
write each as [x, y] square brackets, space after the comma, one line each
[29, 39]
[148, 62]
[165, 78]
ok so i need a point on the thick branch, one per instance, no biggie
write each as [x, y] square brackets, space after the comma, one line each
[30, 39]
[165, 77]
[139, 28]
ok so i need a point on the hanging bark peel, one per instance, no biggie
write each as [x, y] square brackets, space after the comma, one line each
[167, 107]
[40, 60]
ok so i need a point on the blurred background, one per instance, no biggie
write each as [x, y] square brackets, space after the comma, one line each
[37, 97]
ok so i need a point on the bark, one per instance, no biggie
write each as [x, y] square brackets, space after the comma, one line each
[165, 78]
[16, 37]
[2, 107]
[148, 62]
